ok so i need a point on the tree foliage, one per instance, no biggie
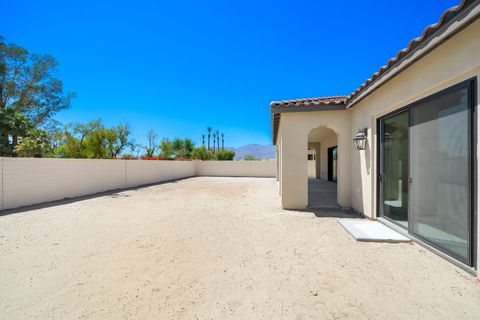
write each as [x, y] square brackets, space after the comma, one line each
[166, 148]
[93, 140]
[28, 84]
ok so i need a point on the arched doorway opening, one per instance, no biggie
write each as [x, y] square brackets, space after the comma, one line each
[322, 181]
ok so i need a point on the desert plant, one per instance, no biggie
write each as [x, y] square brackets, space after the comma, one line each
[202, 154]
[249, 157]
[225, 155]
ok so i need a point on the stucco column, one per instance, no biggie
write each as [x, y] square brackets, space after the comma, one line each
[345, 146]
[293, 171]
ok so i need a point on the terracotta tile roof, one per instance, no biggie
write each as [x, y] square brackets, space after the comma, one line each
[430, 32]
[319, 101]
[413, 45]
[427, 33]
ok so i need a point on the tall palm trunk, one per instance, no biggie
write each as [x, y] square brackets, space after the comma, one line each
[209, 130]
[223, 142]
[214, 139]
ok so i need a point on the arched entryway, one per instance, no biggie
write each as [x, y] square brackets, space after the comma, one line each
[322, 185]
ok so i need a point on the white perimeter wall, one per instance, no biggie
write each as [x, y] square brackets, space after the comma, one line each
[27, 181]
[236, 168]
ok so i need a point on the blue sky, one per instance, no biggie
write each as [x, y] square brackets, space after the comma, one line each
[180, 66]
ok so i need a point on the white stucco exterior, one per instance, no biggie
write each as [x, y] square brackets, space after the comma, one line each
[455, 60]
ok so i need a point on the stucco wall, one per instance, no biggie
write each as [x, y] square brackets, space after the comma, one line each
[454, 61]
[265, 168]
[27, 181]
[293, 131]
[145, 172]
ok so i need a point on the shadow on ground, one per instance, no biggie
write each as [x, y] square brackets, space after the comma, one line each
[333, 213]
[112, 193]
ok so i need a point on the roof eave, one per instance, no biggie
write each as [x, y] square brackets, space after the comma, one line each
[455, 25]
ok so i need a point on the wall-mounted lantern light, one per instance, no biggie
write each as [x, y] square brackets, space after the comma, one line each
[360, 140]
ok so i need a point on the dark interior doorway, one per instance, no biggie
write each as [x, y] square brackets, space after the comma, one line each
[332, 164]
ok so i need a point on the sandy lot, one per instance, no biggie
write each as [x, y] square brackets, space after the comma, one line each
[214, 248]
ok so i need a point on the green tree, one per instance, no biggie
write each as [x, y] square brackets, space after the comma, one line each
[74, 140]
[13, 125]
[203, 140]
[117, 139]
[218, 139]
[28, 84]
[178, 148]
[166, 148]
[188, 146]
[223, 141]
[36, 144]
[96, 144]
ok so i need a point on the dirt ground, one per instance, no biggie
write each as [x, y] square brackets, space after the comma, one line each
[214, 248]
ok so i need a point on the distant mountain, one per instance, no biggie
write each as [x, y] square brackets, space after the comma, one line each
[256, 150]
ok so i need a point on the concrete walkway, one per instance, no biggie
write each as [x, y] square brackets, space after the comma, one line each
[322, 194]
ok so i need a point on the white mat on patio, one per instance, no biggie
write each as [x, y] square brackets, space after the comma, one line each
[365, 230]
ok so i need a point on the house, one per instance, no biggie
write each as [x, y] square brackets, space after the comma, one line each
[402, 148]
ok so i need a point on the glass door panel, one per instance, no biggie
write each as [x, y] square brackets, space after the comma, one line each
[394, 168]
[440, 171]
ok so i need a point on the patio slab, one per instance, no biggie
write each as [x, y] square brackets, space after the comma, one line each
[371, 231]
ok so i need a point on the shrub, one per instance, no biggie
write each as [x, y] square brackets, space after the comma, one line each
[225, 154]
[249, 157]
[202, 154]
[128, 156]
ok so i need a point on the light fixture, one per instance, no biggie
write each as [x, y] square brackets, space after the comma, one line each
[360, 140]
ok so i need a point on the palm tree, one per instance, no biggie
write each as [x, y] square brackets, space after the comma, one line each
[203, 140]
[214, 137]
[223, 141]
[218, 140]
[209, 130]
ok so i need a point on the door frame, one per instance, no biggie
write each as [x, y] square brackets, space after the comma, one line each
[471, 84]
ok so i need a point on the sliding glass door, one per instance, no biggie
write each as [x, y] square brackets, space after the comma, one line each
[440, 171]
[425, 172]
[394, 168]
